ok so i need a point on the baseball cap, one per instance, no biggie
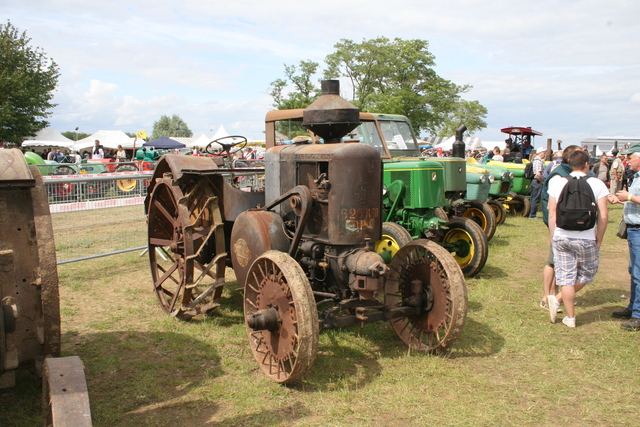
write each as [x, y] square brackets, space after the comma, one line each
[541, 149]
[633, 149]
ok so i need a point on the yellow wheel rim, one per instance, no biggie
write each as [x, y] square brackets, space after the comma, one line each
[389, 245]
[477, 216]
[126, 185]
[459, 236]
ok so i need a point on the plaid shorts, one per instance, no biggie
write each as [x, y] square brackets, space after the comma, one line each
[576, 260]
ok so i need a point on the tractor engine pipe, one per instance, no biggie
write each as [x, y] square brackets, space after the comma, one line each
[458, 148]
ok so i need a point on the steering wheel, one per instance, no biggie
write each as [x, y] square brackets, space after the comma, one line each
[231, 141]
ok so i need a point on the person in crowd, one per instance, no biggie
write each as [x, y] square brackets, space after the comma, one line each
[537, 181]
[51, 155]
[631, 216]
[557, 160]
[616, 174]
[549, 286]
[121, 155]
[86, 155]
[98, 151]
[508, 156]
[496, 155]
[576, 252]
[601, 169]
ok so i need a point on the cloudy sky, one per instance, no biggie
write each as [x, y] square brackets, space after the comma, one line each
[567, 68]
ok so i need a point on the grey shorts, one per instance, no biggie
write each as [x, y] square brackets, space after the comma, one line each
[576, 260]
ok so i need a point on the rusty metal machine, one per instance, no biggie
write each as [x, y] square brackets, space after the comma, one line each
[30, 309]
[303, 248]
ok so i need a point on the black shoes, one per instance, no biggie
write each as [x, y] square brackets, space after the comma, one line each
[631, 325]
[622, 314]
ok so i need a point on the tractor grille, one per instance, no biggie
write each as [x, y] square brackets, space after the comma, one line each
[505, 186]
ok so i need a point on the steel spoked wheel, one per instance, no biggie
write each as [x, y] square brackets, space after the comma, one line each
[443, 292]
[468, 243]
[281, 317]
[186, 242]
[394, 237]
[499, 210]
[482, 215]
[520, 205]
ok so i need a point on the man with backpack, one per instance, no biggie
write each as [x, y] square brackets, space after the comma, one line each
[577, 221]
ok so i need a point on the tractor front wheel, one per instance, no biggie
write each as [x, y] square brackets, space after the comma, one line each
[281, 317]
[520, 205]
[441, 290]
[468, 244]
[393, 238]
[499, 210]
[482, 214]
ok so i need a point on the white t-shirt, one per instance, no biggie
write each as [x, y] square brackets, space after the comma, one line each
[600, 190]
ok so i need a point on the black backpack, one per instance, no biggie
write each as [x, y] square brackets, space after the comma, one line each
[577, 208]
[528, 171]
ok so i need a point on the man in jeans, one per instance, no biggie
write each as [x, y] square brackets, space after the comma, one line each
[576, 253]
[631, 216]
[537, 181]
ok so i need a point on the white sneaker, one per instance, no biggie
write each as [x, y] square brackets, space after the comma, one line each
[554, 305]
[570, 322]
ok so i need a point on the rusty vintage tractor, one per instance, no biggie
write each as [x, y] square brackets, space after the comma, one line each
[302, 248]
[29, 299]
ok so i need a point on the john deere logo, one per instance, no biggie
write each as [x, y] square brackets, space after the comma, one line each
[364, 192]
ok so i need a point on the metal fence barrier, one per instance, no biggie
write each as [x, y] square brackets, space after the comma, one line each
[97, 215]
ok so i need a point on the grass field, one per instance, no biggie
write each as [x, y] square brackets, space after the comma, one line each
[510, 366]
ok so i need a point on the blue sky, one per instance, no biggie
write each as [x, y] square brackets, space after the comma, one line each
[569, 69]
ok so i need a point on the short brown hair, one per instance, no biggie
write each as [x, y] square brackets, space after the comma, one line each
[567, 152]
[578, 159]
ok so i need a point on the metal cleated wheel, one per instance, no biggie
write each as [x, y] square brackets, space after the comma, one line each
[443, 295]
[186, 248]
[519, 205]
[499, 210]
[281, 317]
[468, 244]
[393, 238]
[482, 214]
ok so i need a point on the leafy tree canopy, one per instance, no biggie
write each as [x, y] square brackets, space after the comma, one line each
[27, 81]
[170, 126]
[387, 76]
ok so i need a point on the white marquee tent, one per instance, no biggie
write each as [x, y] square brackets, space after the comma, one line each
[108, 139]
[48, 137]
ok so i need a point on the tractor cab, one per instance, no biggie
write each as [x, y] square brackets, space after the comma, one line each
[520, 139]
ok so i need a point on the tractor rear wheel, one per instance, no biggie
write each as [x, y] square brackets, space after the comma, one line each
[281, 317]
[468, 243]
[394, 237]
[443, 292]
[482, 214]
[499, 210]
[186, 238]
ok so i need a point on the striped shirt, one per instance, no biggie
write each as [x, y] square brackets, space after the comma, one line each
[631, 212]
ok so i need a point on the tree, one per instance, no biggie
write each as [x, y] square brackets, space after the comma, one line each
[393, 77]
[396, 77]
[74, 135]
[27, 81]
[468, 113]
[305, 91]
[170, 126]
